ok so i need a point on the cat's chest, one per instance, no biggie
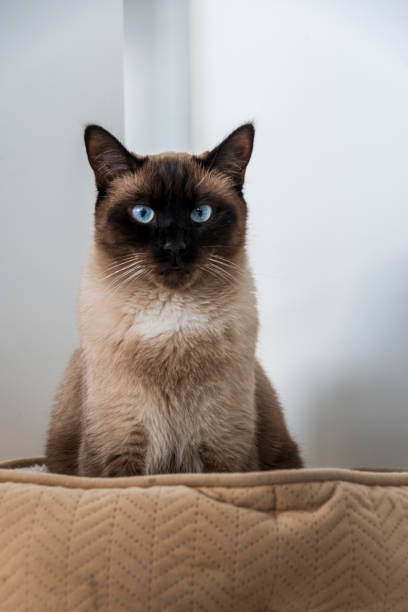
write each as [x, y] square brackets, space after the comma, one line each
[161, 320]
[175, 440]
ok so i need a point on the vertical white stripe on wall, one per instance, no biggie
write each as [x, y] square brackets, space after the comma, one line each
[157, 75]
[61, 68]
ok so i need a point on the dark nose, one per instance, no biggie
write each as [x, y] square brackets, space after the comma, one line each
[174, 246]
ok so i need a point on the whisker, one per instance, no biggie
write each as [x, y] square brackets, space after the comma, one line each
[206, 269]
[137, 274]
[120, 276]
[222, 271]
[218, 272]
[126, 274]
[221, 258]
[125, 260]
[123, 269]
[224, 262]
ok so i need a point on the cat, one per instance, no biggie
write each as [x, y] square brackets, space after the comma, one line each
[166, 378]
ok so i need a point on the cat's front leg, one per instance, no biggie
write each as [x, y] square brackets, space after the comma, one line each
[89, 459]
[228, 460]
[110, 457]
[124, 464]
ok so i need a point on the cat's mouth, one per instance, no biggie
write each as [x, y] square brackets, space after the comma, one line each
[174, 268]
[174, 274]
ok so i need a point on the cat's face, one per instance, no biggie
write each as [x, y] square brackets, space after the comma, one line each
[173, 218]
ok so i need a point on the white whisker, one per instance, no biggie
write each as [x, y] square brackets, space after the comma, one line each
[126, 274]
[124, 268]
[224, 262]
[222, 271]
[206, 269]
[134, 257]
[216, 272]
[137, 274]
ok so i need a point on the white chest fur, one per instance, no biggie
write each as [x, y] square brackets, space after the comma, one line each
[169, 317]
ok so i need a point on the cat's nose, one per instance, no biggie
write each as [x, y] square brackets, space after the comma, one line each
[174, 246]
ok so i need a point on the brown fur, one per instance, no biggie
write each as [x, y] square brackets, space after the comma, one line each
[141, 398]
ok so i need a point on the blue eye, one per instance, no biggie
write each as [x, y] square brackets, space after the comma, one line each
[143, 214]
[201, 213]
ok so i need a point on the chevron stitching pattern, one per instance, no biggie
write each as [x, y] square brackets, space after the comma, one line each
[327, 546]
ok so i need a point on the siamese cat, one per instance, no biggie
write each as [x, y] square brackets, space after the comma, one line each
[166, 378]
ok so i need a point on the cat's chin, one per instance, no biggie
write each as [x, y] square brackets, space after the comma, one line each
[174, 278]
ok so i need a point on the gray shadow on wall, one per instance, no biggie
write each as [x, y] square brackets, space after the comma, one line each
[359, 416]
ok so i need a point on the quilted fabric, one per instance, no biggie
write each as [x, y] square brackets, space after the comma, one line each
[306, 540]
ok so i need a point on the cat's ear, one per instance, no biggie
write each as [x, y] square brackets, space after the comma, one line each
[107, 156]
[231, 157]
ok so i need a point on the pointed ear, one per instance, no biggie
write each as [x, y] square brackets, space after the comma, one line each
[107, 156]
[232, 156]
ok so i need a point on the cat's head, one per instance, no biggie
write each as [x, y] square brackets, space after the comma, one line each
[171, 219]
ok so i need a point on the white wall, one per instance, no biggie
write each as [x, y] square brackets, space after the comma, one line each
[157, 76]
[62, 67]
[327, 85]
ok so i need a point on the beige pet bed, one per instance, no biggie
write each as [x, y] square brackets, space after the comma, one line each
[307, 540]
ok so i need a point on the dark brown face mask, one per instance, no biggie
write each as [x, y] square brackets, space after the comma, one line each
[175, 210]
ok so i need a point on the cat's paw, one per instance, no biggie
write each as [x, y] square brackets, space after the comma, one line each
[121, 465]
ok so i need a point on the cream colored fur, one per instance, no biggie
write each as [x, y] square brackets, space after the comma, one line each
[126, 333]
[166, 379]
